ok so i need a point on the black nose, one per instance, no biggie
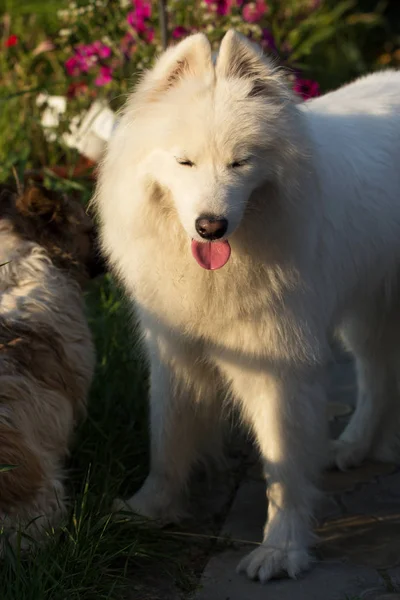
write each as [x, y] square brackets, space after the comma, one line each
[211, 228]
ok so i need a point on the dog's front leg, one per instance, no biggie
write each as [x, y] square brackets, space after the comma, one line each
[184, 424]
[287, 415]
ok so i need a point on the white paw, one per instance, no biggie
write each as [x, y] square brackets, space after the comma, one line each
[152, 503]
[267, 562]
[345, 455]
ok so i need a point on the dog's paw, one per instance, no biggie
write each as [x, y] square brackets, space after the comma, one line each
[346, 454]
[150, 508]
[267, 562]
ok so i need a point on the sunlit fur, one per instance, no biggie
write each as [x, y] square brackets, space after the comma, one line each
[46, 353]
[314, 227]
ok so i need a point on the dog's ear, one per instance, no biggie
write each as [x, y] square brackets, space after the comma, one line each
[190, 58]
[239, 58]
[35, 201]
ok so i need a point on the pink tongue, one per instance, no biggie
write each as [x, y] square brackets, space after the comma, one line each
[211, 255]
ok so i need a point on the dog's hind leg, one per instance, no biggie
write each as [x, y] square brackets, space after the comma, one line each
[371, 430]
[184, 423]
[377, 393]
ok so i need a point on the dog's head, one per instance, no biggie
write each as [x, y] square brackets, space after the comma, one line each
[206, 133]
[59, 224]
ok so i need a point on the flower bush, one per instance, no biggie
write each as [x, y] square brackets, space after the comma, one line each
[96, 48]
[123, 37]
[131, 41]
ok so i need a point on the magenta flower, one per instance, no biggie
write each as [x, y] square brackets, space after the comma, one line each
[104, 77]
[268, 41]
[139, 15]
[84, 50]
[81, 62]
[71, 66]
[142, 8]
[84, 62]
[222, 7]
[85, 57]
[132, 20]
[179, 32]
[306, 88]
[101, 49]
[254, 11]
[97, 48]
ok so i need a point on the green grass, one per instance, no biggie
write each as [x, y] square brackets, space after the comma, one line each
[91, 556]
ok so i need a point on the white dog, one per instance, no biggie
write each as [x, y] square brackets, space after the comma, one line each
[248, 227]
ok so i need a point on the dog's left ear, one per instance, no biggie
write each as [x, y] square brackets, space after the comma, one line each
[36, 201]
[238, 58]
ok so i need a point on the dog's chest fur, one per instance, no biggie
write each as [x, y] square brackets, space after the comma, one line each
[245, 307]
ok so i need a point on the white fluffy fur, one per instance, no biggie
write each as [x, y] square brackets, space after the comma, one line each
[314, 226]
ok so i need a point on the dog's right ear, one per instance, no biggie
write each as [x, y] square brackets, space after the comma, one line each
[190, 58]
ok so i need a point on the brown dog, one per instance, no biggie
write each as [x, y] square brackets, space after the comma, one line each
[47, 252]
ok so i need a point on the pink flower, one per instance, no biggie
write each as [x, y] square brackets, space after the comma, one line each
[179, 32]
[142, 8]
[101, 49]
[104, 77]
[254, 11]
[306, 88]
[139, 15]
[222, 7]
[131, 18]
[97, 48]
[84, 59]
[71, 66]
[84, 50]
[86, 56]
[148, 35]
[12, 40]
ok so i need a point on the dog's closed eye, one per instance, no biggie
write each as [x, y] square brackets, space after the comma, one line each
[185, 162]
[236, 164]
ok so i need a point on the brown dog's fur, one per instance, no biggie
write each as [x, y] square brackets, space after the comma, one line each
[47, 252]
